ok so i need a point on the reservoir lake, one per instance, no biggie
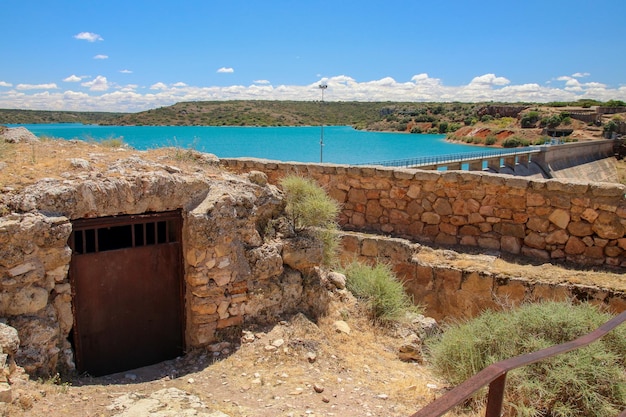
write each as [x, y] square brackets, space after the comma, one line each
[342, 144]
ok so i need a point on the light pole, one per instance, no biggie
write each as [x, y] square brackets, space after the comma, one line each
[322, 87]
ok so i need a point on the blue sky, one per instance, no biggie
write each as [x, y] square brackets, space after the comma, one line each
[132, 55]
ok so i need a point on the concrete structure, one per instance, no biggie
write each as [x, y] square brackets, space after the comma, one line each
[591, 160]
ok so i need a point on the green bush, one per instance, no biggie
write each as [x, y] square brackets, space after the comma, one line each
[584, 382]
[530, 119]
[551, 122]
[512, 142]
[490, 140]
[380, 289]
[310, 208]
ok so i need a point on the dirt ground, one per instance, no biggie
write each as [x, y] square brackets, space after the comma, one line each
[296, 368]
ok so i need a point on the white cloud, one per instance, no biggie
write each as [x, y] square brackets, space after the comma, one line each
[103, 95]
[100, 56]
[5, 84]
[581, 74]
[72, 79]
[158, 86]
[261, 82]
[88, 36]
[225, 70]
[129, 87]
[99, 83]
[50, 86]
[489, 79]
[126, 71]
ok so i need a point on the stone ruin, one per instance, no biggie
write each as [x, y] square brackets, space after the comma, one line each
[240, 262]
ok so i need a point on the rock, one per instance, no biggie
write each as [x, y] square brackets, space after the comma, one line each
[318, 388]
[411, 350]
[258, 178]
[302, 253]
[311, 357]
[163, 403]
[80, 163]
[9, 339]
[278, 343]
[6, 394]
[18, 135]
[248, 337]
[337, 279]
[341, 327]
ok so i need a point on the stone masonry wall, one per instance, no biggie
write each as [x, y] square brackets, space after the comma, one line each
[450, 289]
[233, 270]
[548, 220]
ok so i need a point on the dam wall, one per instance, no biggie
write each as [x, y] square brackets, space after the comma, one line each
[589, 161]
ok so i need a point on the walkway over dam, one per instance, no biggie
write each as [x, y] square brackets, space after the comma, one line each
[590, 161]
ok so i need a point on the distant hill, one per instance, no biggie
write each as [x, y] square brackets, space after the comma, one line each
[13, 116]
[497, 124]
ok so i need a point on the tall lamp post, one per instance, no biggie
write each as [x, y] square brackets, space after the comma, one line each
[322, 87]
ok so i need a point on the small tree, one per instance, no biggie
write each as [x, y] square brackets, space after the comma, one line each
[310, 209]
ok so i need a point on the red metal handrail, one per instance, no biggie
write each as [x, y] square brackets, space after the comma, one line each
[495, 375]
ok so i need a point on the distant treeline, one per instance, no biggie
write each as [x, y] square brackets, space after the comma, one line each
[12, 116]
[394, 116]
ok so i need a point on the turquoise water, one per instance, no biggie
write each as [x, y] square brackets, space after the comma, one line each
[342, 144]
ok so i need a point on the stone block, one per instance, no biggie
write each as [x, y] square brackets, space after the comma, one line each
[489, 243]
[560, 218]
[511, 244]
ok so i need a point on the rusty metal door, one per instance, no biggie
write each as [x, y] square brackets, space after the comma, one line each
[127, 292]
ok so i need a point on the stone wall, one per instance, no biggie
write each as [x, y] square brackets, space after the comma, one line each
[234, 271]
[548, 220]
[451, 285]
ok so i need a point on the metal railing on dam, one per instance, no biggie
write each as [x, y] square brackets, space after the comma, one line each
[459, 158]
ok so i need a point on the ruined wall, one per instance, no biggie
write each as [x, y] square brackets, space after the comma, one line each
[451, 287]
[233, 270]
[548, 220]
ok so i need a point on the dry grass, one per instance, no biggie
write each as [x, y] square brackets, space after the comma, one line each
[27, 163]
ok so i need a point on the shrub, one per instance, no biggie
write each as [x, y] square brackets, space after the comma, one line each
[551, 122]
[512, 142]
[529, 119]
[584, 382]
[113, 142]
[380, 289]
[490, 140]
[416, 129]
[310, 208]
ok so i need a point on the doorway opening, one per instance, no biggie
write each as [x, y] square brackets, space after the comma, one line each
[127, 288]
